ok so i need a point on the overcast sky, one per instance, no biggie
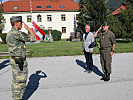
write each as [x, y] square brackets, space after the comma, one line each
[3, 0]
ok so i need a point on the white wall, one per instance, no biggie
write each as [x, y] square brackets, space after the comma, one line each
[55, 24]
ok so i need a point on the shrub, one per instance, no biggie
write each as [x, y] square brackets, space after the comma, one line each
[45, 31]
[3, 37]
[56, 35]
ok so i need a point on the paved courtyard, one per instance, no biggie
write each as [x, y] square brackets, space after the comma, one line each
[63, 78]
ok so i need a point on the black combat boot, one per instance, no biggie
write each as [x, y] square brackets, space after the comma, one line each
[103, 78]
[86, 70]
[107, 77]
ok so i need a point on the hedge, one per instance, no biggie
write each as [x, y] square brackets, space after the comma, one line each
[3, 37]
[56, 35]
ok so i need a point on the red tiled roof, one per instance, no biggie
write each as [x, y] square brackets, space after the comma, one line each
[24, 5]
[118, 10]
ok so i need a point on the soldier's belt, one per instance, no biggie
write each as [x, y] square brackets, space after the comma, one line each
[17, 58]
[105, 48]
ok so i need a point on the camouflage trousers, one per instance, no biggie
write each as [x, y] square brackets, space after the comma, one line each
[106, 60]
[19, 79]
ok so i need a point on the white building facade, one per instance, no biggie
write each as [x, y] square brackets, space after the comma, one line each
[62, 20]
[52, 20]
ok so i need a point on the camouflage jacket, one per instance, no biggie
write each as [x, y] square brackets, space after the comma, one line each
[16, 42]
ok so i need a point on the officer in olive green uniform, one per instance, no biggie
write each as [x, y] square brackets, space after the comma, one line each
[107, 47]
[17, 51]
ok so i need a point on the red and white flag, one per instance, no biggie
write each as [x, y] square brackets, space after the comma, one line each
[37, 30]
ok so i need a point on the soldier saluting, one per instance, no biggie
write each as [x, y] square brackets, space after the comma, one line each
[17, 51]
[107, 47]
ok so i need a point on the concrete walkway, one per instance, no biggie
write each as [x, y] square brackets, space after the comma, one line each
[63, 78]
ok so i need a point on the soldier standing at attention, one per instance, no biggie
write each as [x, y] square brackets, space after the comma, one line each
[107, 47]
[17, 51]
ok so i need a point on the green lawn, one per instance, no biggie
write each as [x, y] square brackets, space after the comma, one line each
[64, 48]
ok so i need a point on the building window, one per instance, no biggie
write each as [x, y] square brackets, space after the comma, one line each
[76, 16]
[42, 27]
[62, 6]
[63, 17]
[39, 18]
[48, 6]
[49, 28]
[15, 8]
[53, 0]
[49, 18]
[63, 29]
[29, 18]
[38, 6]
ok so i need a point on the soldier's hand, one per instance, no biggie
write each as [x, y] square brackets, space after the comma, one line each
[90, 51]
[83, 51]
[26, 27]
[100, 27]
[111, 53]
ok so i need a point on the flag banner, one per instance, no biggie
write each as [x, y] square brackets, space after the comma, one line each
[37, 30]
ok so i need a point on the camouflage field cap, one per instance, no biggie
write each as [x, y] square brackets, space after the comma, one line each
[105, 24]
[16, 19]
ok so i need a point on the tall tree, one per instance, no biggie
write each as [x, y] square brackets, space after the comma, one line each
[1, 18]
[81, 19]
[122, 24]
[126, 18]
[96, 12]
[116, 26]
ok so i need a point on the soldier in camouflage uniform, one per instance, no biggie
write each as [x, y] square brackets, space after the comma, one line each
[107, 47]
[17, 51]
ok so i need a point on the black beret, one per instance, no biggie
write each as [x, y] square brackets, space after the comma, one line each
[105, 24]
[16, 19]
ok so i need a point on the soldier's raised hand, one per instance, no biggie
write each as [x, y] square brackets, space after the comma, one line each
[26, 26]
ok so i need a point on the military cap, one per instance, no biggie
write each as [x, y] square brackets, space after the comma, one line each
[16, 19]
[105, 24]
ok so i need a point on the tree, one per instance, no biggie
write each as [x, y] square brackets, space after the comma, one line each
[124, 1]
[126, 18]
[115, 26]
[81, 19]
[96, 12]
[1, 18]
[122, 24]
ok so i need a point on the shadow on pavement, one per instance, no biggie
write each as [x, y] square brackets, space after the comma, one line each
[81, 63]
[4, 64]
[33, 84]
[94, 68]
[97, 71]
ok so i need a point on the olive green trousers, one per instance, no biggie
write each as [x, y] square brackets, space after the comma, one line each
[106, 60]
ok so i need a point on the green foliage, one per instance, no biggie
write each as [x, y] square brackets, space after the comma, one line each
[45, 31]
[3, 37]
[64, 48]
[81, 19]
[1, 18]
[115, 26]
[56, 35]
[122, 24]
[96, 12]
[92, 12]
[126, 17]
[114, 4]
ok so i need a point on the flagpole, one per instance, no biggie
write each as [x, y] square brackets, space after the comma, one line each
[40, 33]
[31, 8]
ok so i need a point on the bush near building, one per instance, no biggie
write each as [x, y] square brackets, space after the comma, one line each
[3, 37]
[56, 35]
